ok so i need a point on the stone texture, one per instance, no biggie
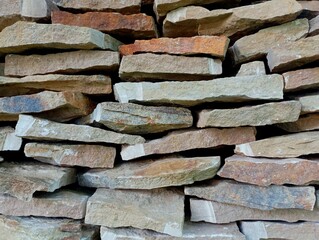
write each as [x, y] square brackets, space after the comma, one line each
[58, 106]
[92, 156]
[182, 140]
[310, 9]
[252, 68]
[304, 123]
[268, 87]
[41, 129]
[256, 46]
[264, 172]
[160, 210]
[215, 46]
[301, 79]
[293, 54]
[134, 26]
[151, 174]
[309, 102]
[138, 119]
[194, 20]
[148, 66]
[22, 180]
[286, 146]
[314, 26]
[66, 62]
[8, 140]
[1, 69]
[62, 203]
[259, 115]
[263, 198]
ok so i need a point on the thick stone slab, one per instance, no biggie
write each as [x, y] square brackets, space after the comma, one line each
[309, 102]
[92, 156]
[259, 115]
[183, 140]
[233, 89]
[138, 119]
[41, 129]
[160, 210]
[148, 66]
[304, 123]
[66, 62]
[252, 68]
[264, 172]
[301, 79]
[314, 26]
[8, 140]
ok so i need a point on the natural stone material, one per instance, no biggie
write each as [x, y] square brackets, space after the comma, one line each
[259, 115]
[314, 26]
[1, 69]
[310, 9]
[293, 54]
[137, 119]
[194, 20]
[287, 146]
[151, 174]
[268, 87]
[263, 198]
[147, 66]
[252, 68]
[62, 203]
[304, 123]
[257, 45]
[160, 210]
[215, 46]
[8, 140]
[309, 103]
[183, 140]
[264, 172]
[92, 156]
[301, 79]
[41, 129]
[22, 180]
[128, 26]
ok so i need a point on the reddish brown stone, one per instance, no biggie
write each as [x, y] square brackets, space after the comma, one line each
[301, 79]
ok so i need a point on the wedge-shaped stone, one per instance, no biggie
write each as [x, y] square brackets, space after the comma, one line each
[148, 66]
[301, 79]
[304, 123]
[263, 198]
[183, 140]
[314, 26]
[215, 46]
[138, 119]
[194, 20]
[309, 103]
[67, 62]
[293, 54]
[41, 129]
[256, 46]
[126, 26]
[233, 89]
[151, 174]
[287, 146]
[259, 115]
[264, 172]
[252, 68]
[8, 140]
[160, 210]
[92, 156]
[22, 180]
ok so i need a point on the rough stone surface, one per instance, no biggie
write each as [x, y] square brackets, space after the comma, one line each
[160, 210]
[268, 87]
[41, 129]
[22, 180]
[151, 174]
[263, 198]
[92, 156]
[301, 79]
[67, 62]
[309, 102]
[304, 123]
[310, 9]
[259, 115]
[314, 26]
[8, 140]
[252, 68]
[264, 172]
[183, 140]
[148, 66]
[138, 119]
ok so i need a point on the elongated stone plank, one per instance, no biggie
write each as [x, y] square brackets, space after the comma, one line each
[304, 123]
[195, 20]
[138, 119]
[259, 115]
[182, 140]
[67, 62]
[263, 198]
[22, 180]
[92, 156]
[41, 129]
[301, 79]
[309, 103]
[252, 68]
[233, 89]
[151, 174]
[256, 46]
[129, 26]
[314, 26]
[148, 66]
[8, 140]
[161, 210]
[215, 46]
[264, 172]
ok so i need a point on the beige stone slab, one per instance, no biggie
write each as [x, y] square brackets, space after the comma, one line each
[304, 123]
[252, 68]
[8, 140]
[301, 79]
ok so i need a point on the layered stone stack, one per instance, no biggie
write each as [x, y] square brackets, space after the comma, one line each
[164, 119]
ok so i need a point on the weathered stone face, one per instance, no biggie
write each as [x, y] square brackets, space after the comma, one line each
[8, 140]
[301, 79]
[304, 123]
[310, 9]
[252, 68]
[314, 26]
[309, 102]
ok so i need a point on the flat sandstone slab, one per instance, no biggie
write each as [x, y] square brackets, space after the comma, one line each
[252, 68]
[8, 140]
[304, 123]
[301, 79]
[309, 102]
